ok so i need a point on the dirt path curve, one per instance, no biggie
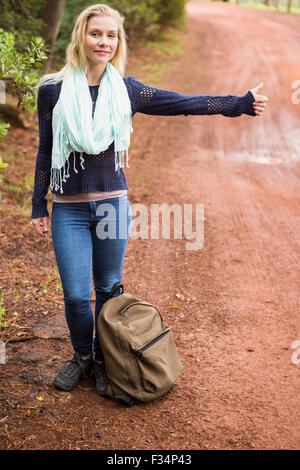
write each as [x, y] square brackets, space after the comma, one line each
[238, 296]
[241, 387]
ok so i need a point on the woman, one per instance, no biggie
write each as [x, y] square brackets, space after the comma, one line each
[85, 113]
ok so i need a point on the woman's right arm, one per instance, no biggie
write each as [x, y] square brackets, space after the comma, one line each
[43, 160]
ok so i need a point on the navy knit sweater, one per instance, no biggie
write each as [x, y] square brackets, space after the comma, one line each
[99, 173]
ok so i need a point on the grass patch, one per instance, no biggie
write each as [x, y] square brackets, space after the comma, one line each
[282, 7]
[13, 188]
[20, 156]
[161, 53]
[3, 313]
[29, 182]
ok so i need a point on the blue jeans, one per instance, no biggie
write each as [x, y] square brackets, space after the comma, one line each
[89, 239]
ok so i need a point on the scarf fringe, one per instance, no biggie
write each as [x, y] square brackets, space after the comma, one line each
[56, 173]
[119, 159]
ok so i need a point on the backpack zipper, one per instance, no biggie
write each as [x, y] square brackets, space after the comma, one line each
[141, 303]
[139, 351]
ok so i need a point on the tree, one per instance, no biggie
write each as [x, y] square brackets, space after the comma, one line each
[22, 18]
[52, 14]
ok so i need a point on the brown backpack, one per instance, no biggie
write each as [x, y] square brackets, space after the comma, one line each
[140, 356]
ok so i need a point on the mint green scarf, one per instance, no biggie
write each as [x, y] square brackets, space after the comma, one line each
[76, 130]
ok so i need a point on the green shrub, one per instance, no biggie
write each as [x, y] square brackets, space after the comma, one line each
[143, 19]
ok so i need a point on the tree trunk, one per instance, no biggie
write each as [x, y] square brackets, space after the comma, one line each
[52, 14]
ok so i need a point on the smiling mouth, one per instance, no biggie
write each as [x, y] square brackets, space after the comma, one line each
[102, 52]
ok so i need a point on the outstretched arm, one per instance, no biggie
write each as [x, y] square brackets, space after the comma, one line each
[156, 101]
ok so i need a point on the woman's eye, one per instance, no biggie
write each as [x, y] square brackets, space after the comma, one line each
[110, 35]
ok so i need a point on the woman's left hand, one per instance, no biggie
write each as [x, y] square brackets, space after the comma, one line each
[260, 100]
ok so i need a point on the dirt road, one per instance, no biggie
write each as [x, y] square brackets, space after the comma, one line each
[237, 299]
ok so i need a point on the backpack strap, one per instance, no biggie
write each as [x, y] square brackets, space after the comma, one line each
[125, 399]
[115, 287]
[115, 392]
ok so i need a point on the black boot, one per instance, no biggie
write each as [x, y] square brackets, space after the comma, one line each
[100, 377]
[68, 377]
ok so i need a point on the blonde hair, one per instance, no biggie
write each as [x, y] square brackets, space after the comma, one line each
[75, 51]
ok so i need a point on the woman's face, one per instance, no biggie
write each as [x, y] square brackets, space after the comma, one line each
[101, 35]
